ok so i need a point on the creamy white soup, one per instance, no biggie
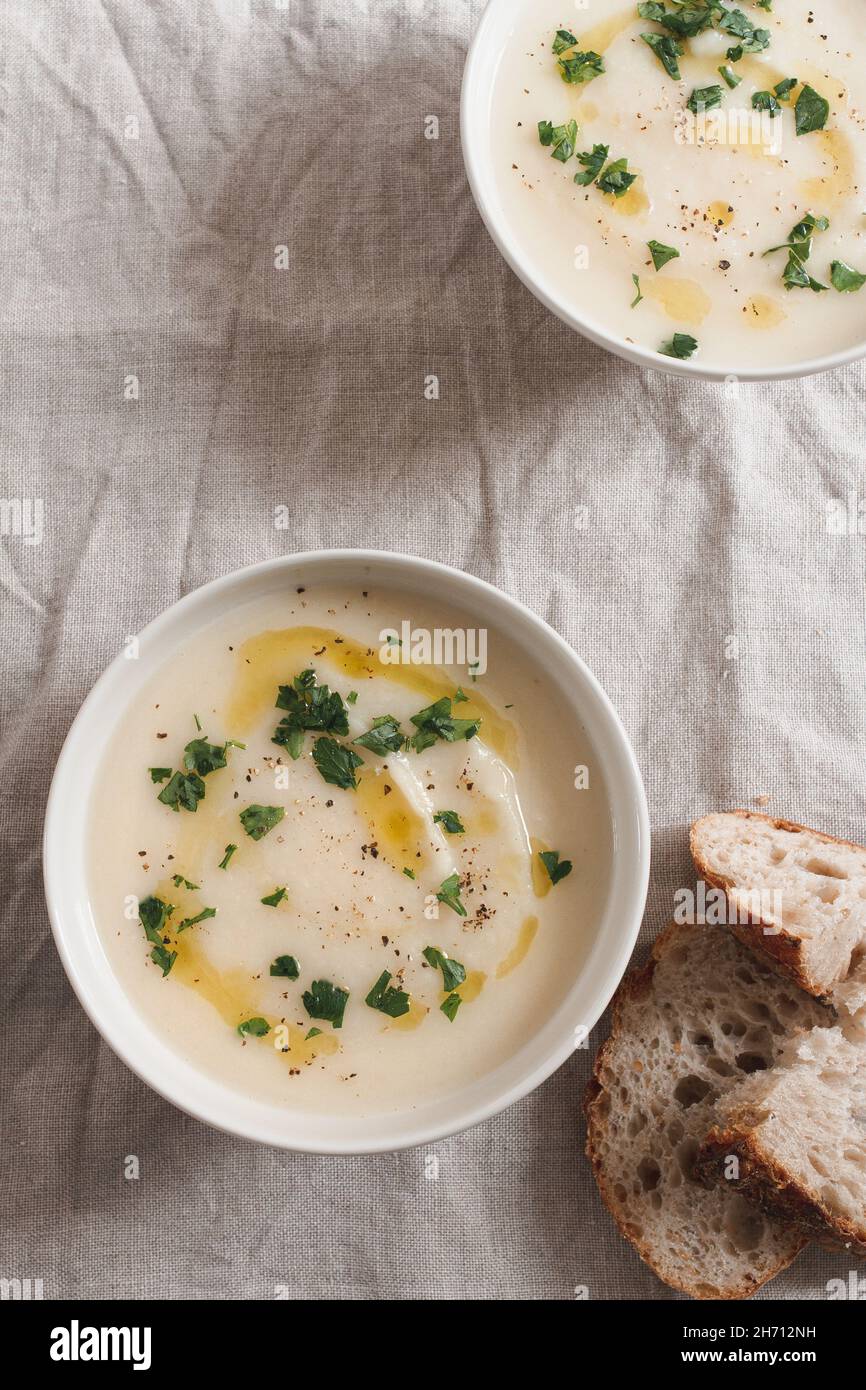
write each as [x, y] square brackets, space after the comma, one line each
[690, 175]
[349, 852]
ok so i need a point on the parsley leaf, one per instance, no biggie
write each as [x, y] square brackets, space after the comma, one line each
[810, 111]
[286, 966]
[436, 721]
[799, 248]
[336, 763]
[563, 39]
[593, 163]
[182, 790]
[561, 137]
[383, 736]
[450, 1006]
[681, 345]
[224, 862]
[153, 914]
[845, 279]
[739, 26]
[638, 297]
[453, 973]
[327, 1001]
[580, 67]
[661, 254]
[765, 101]
[159, 774]
[450, 822]
[732, 78]
[616, 179]
[203, 757]
[254, 1028]
[784, 88]
[687, 21]
[387, 999]
[705, 98]
[449, 894]
[193, 921]
[163, 958]
[309, 706]
[557, 868]
[667, 50]
[180, 882]
[274, 899]
[257, 821]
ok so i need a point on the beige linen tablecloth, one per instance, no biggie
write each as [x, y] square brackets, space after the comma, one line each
[165, 386]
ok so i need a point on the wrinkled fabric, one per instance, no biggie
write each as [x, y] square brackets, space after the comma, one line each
[231, 262]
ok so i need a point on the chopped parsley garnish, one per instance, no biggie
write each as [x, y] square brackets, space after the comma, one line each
[313, 1033]
[327, 1001]
[274, 899]
[799, 249]
[687, 21]
[309, 706]
[387, 999]
[638, 296]
[383, 736]
[194, 921]
[336, 763]
[616, 179]
[153, 914]
[661, 254]
[159, 774]
[460, 696]
[765, 101]
[845, 279]
[563, 39]
[784, 88]
[580, 67]
[410, 873]
[739, 26]
[667, 50]
[257, 821]
[593, 163]
[450, 1006]
[557, 868]
[164, 958]
[224, 862]
[350, 700]
[705, 98]
[285, 966]
[560, 137]
[732, 78]
[681, 345]
[450, 822]
[810, 111]
[436, 721]
[180, 882]
[449, 894]
[184, 790]
[254, 1028]
[453, 973]
[203, 758]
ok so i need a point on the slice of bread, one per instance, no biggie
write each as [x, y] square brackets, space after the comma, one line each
[798, 1135]
[686, 1028]
[796, 895]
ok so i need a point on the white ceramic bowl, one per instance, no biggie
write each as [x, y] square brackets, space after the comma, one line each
[114, 1014]
[491, 38]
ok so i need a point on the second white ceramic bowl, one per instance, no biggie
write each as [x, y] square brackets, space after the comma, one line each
[133, 1038]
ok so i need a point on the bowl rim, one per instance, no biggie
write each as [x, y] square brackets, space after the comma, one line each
[478, 174]
[65, 792]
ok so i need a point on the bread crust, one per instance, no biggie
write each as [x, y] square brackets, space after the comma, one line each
[780, 948]
[637, 985]
[772, 1188]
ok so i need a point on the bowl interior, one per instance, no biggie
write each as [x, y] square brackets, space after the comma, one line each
[139, 1044]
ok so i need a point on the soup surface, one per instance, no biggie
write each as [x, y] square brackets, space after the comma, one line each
[716, 173]
[356, 917]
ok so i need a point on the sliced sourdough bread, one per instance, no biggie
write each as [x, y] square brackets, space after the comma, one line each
[686, 1028]
[797, 1135]
[797, 896]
